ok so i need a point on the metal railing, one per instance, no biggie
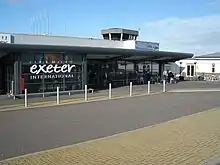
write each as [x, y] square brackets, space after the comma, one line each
[86, 90]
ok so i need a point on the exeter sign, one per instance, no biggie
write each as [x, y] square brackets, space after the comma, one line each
[51, 71]
[36, 69]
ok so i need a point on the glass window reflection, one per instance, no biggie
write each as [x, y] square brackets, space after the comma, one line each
[48, 82]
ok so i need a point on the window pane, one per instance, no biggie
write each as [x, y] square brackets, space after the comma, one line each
[72, 58]
[53, 57]
[192, 70]
[49, 81]
[39, 58]
[27, 58]
[188, 70]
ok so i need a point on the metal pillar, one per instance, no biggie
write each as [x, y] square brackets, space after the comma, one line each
[161, 69]
[84, 71]
[17, 74]
[126, 76]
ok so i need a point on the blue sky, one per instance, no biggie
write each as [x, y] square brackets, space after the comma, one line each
[87, 17]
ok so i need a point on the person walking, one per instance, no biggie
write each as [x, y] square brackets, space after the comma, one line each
[165, 75]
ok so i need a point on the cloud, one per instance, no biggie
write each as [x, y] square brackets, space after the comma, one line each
[197, 35]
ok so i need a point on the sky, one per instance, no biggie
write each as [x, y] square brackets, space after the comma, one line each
[178, 25]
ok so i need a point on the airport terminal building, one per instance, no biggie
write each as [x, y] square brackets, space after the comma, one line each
[40, 63]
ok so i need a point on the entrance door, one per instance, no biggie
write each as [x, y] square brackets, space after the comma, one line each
[2, 84]
[96, 74]
[9, 80]
[190, 70]
[6, 79]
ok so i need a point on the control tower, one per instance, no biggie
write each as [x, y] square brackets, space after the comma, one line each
[119, 34]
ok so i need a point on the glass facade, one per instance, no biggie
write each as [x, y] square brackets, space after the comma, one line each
[44, 72]
[120, 73]
[41, 72]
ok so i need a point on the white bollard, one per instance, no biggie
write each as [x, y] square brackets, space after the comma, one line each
[12, 88]
[164, 85]
[69, 93]
[148, 87]
[86, 93]
[110, 91]
[58, 95]
[25, 98]
[130, 88]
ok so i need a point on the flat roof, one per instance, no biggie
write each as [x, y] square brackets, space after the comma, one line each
[211, 56]
[101, 53]
[94, 48]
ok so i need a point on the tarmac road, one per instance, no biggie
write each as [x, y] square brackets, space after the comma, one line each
[32, 130]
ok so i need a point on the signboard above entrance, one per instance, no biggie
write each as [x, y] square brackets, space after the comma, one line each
[5, 38]
[142, 45]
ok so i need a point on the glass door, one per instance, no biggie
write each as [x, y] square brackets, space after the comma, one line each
[9, 79]
[96, 74]
[190, 70]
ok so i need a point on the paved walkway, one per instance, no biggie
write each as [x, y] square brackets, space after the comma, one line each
[6, 102]
[69, 101]
[187, 86]
[188, 140]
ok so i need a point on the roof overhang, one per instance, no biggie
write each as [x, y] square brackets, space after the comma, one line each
[101, 52]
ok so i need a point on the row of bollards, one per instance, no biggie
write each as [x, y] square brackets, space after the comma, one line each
[86, 92]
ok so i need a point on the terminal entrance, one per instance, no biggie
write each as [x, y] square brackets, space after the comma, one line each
[97, 74]
[2, 86]
[119, 73]
[6, 75]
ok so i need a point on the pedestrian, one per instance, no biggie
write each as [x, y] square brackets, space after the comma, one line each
[169, 76]
[165, 75]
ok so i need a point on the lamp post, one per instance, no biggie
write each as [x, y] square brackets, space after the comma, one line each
[180, 68]
[195, 69]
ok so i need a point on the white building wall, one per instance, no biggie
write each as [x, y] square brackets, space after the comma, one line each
[65, 41]
[130, 44]
[205, 66]
[29, 39]
[201, 66]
